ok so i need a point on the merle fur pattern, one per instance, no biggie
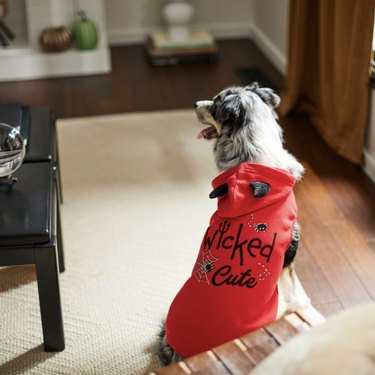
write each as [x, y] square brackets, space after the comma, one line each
[247, 130]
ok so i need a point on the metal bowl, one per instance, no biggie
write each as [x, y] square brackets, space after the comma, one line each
[12, 150]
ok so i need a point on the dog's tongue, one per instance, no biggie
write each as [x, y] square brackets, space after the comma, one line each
[207, 133]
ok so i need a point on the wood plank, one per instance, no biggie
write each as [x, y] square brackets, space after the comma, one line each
[311, 316]
[347, 186]
[357, 252]
[325, 245]
[340, 273]
[215, 369]
[353, 194]
[281, 330]
[297, 322]
[175, 369]
[201, 361]
[329, 308]
[235, 357]
[259, 345]
[315, 282]
[314, 200]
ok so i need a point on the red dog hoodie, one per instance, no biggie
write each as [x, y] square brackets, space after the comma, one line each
[233, 286]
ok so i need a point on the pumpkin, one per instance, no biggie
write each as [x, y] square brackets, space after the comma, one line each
[85, 32]
[56, 39]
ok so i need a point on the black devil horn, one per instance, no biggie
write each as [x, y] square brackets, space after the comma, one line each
[260, 189]
[220, 190]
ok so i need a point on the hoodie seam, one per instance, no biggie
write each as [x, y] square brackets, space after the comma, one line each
[248, 168]
[250, 212]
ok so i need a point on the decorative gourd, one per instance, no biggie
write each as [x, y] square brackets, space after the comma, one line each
[56, 39]
[85, 32]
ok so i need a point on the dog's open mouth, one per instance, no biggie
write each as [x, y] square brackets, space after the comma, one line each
[208, 133]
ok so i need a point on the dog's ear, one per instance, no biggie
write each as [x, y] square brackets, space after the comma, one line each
[266, 94]
[231, 112]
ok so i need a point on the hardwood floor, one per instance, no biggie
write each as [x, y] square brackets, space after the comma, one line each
[135, 85]
[336, 261]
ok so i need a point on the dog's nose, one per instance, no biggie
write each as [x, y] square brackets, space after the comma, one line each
[196, 105]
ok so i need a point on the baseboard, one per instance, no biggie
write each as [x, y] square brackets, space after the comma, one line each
[276, 57]
[369, 166]
[220, 31]
[126, 36]
[139, 35]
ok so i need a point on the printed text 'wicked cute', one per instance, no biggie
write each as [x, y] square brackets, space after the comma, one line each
[238, 245]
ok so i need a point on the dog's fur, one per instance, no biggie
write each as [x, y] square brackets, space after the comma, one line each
[243, 126]
[344, 344]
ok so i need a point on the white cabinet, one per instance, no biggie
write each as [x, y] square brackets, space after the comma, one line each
[24, 59]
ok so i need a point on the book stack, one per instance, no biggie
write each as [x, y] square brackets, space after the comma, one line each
[199, 47]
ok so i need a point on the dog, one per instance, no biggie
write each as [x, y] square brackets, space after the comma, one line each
[244, 275]
[344, 344]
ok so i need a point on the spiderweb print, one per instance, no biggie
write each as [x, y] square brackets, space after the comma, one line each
[204, 266]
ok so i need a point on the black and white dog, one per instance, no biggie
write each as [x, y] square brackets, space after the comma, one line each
[242, 123]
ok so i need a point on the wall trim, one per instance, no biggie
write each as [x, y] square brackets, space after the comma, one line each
[136, 35]
[139, 34]
[276, 57]
[369, 166]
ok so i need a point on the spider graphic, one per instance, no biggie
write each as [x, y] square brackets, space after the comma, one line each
[204, 266]
[261, 227]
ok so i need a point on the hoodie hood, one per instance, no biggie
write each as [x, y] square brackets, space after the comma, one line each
[240, 197]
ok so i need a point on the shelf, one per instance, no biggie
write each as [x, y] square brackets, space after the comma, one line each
[24, 60]
[15, 49]
[35, 64]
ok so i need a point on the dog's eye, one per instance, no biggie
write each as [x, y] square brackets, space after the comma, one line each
[213, 110]
[219, 98]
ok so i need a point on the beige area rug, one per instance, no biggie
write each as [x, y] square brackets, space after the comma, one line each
[135, 209]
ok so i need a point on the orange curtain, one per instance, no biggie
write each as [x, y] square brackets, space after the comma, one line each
[328, 69]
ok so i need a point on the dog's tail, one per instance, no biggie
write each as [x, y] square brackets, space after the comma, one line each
[164, 351]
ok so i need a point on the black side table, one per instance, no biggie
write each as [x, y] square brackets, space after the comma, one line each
[30, 233]
[42, 141]
[30, 228]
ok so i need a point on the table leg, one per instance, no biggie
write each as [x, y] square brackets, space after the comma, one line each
[60, 248]
[49, 298]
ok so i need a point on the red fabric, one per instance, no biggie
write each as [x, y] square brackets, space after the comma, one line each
[233, 286]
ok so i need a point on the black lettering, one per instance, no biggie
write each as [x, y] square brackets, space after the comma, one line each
[255, 243]
[223, 271]
[268, 254]
[250, 283]
[207, 240]
[225, 246]
[238, 245]
[224, 275]
[223, 228]
[247, 282]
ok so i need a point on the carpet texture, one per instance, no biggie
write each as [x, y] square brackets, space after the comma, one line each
[135, 209]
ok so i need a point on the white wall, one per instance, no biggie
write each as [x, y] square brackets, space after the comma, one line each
[265, 21]
[270, 30]
[130, 21]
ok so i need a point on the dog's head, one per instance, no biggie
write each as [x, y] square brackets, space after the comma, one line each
[242, 122]
[232, 109]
